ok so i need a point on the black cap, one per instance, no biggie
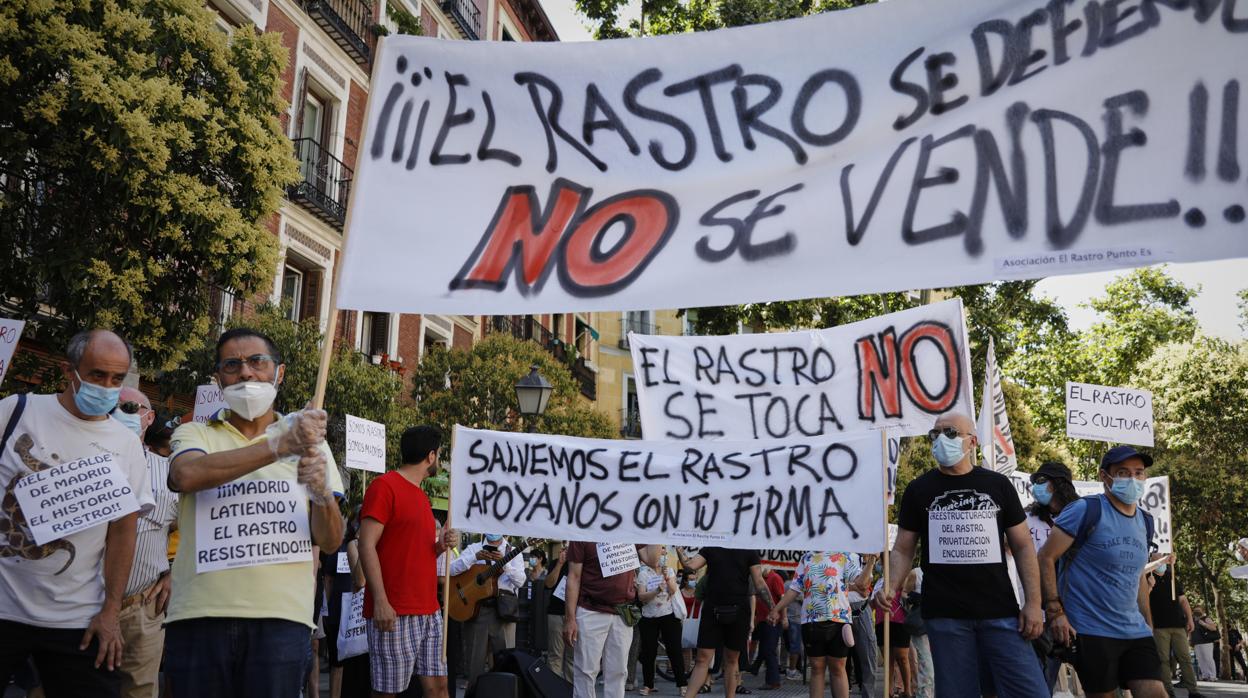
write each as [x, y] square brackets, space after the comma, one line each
[1054, 471]
[1118, 454]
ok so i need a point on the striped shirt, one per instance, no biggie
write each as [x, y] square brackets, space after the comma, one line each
[151, 548]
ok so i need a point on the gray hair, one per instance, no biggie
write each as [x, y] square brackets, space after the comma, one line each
[77, 346]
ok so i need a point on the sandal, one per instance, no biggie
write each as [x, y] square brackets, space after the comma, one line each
[706, 688]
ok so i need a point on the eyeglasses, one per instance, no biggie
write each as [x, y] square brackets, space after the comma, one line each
[133, 407]
[255, 362]
[951, 432]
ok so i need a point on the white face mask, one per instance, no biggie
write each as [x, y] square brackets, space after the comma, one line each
[251, 399]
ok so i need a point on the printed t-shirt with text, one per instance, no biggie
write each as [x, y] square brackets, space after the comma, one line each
[822, 580]
[961, 522]
[407, 548]
[1100, 587]
[59, 584]
[284, 591]
[596, 592]
[728, 575]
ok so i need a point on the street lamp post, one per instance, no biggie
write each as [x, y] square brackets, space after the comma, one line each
[533, 393]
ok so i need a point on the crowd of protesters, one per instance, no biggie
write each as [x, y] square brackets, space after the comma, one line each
[113, 610]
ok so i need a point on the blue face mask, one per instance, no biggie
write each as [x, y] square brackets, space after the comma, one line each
[1161, 569]
[95, 400]
[1128, 490]
[493, 538]
[133, 422]
[947, 452]
[1040, 491]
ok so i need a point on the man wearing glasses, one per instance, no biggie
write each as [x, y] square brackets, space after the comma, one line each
[147, 593]
[258, 491]
[60, 600]
[965, 515]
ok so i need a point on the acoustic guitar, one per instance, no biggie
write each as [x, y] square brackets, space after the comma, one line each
[471, 587]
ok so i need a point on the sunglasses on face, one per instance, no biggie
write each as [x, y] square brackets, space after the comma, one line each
[1039, 479]
[133, 407]
[256, 362]
[951, 432]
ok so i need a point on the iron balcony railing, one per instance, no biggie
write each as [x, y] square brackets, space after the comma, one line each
[348, 22]
[466, 15]
[527, 328]
[629, 324]
[630, 423]
[324, 182]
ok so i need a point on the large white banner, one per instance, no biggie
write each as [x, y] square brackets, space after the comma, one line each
[995, 438]
[899, 371]
[796, 494]
[909, 144]
[1105, 413]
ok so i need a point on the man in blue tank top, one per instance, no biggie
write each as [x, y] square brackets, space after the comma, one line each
[1099, 602]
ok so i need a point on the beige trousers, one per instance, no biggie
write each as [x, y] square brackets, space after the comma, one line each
[145, 643]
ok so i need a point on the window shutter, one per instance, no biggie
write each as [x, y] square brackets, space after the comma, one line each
[301, 98]
[380, 339]
[311, 305]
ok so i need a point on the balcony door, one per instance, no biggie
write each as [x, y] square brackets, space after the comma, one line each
[312, 129]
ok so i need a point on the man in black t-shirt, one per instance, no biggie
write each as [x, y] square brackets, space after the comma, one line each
[964, 515]
[1172, 623]
[726, 612]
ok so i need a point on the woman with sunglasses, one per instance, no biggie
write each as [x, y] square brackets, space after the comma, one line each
[1053, 489]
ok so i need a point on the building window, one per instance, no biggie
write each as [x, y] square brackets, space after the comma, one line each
[556, 327]
[375, 334]
[630, 415]
[635, 321]
[301, 288]
[292, 292]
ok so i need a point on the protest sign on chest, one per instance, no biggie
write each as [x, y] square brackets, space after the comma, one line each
[617, 558]
[208, 401]
[962, 529]
[899, 371]
[74, 496]
[799, 494]
[353, 627]
[366, 445]
[1115, 415]
[10, 333]
[251, 522]
[941, 144]
[344, 564]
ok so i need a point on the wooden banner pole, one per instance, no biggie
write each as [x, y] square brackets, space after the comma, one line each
[888, 614]
[327, 343]
[1174, 568]
[446, 571]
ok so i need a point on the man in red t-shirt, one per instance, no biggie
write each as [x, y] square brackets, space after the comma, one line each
[399, 542]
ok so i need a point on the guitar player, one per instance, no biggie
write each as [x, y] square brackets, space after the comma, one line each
[488, 625]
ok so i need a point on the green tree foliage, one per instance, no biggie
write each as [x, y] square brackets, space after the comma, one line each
[1243, 309]
[680, 16]
[355, 386]
[1200, 405]
[1138, 313]
[140, 152]
[476, 388]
